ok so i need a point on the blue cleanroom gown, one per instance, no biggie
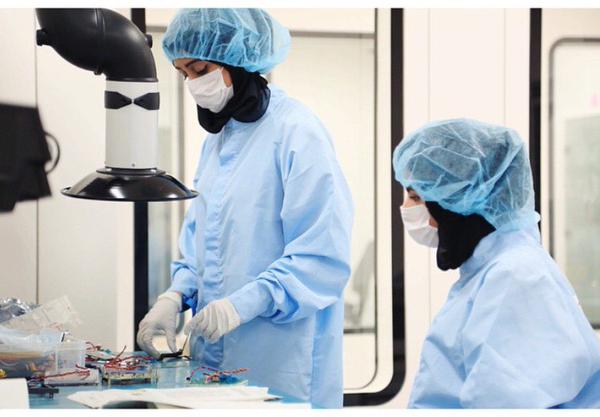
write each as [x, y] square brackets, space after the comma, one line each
[510, 335]
[270, 230]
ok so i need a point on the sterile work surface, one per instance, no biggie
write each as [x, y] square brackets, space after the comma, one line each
[172, 374]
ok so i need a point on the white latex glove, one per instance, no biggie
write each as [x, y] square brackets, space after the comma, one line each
[161, 319]
[218, 318]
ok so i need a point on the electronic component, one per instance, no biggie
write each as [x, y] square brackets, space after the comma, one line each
[210, 376]
[119, 369]
[133, 369]
[141, 374]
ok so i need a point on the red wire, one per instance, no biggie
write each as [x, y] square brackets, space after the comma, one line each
[94, 347]
[116, 358]
[122, 363]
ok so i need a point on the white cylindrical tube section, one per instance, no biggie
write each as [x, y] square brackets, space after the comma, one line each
[131, 131]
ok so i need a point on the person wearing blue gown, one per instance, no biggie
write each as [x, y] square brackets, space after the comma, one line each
[511, 333]
[266, 244]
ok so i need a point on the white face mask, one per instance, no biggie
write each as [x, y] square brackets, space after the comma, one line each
[209, 91]
[416, 221]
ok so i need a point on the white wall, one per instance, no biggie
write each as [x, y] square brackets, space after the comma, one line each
[327, 20]
[457, 63]
[18, 251]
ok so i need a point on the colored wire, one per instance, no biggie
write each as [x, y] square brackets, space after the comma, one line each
[128, 363]
[93, 346]
[214, 373]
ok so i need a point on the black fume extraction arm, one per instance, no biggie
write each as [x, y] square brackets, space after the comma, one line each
[98, 40]
[105, 42]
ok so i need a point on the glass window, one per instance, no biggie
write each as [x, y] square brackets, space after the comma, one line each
[575, 172]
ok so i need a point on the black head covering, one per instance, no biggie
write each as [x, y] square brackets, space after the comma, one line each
[458, 235]
[249, 102]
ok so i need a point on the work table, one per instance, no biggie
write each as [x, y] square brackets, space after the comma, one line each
[172, 374]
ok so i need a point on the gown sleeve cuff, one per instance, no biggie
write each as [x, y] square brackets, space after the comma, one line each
[184, 283]
[251, 301]
[175, 296]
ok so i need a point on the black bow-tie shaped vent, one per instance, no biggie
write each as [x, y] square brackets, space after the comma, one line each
[115, 100]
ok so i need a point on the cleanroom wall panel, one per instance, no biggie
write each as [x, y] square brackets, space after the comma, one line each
[516, 71]
[350, 20]
[467, 64]
[356, 20]
[86, 246]
[18, 253]
[17, 68]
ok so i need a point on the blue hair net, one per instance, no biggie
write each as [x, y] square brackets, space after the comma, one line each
[470, 167]
[246, 38]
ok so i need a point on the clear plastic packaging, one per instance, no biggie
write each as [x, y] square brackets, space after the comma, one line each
[56, 314]
[19, 340]
[14, 307]
[70, 355]
[24, 355]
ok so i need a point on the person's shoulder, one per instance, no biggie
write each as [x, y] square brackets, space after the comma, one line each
[291, 112]
[298, 129]
[520, 264]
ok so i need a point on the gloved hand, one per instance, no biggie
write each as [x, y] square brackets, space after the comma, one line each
[218, 318]
[161, 319]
